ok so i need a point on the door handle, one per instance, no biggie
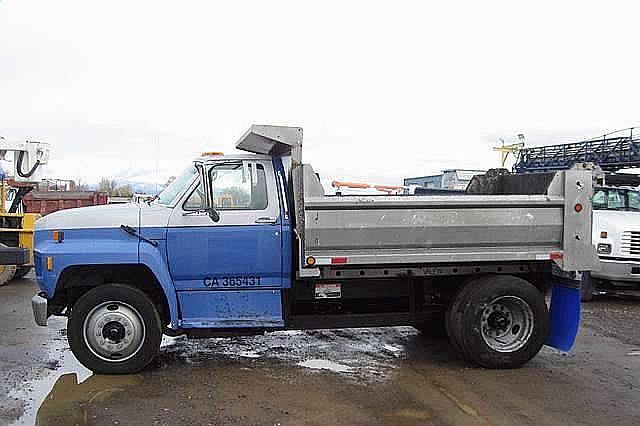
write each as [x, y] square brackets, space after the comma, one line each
[269, 220]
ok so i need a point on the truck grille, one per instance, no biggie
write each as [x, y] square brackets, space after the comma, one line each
[630, 243]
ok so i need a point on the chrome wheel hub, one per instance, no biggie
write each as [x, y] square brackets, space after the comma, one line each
[114, 331]
[507, 324]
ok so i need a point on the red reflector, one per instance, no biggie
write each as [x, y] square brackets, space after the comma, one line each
[338, 260]
[578, 208]
[555, 256]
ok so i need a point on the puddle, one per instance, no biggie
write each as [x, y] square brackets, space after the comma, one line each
[35, 392]
[65, 395]
[68, 400]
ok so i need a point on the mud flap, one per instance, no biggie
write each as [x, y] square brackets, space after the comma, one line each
[564, 315]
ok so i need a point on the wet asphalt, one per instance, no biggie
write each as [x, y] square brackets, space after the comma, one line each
[365, 376]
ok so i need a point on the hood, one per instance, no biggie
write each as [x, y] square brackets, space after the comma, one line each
[612, 221]
[105, 216]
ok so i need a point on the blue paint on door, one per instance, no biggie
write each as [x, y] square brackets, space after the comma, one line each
[231, 309]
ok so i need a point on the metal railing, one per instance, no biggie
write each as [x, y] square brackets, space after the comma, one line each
[611, 152]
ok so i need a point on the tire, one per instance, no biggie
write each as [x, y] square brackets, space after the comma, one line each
[6, 273]
[21, 271]
[450, 318]
[586, 287]
[114, 329]
[499, 321]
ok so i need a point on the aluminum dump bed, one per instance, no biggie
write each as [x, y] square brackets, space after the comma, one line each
[553, 224]
[369, 230]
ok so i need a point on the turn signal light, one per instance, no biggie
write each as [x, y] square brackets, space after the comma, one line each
[49, 263]
[212, 153]
[58, 236]
[311, 261]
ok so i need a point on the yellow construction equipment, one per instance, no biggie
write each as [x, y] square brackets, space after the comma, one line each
[16, 227]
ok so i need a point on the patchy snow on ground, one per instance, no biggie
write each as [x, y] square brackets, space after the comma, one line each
[366, 353]
[323, 364]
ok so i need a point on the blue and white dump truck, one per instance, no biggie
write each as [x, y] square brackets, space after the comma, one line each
[250, 243]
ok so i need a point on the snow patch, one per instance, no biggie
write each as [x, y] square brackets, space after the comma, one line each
[323, 364]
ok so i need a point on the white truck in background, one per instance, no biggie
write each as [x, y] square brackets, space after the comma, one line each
[616, 238]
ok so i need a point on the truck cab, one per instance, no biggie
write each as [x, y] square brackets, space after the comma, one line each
[616, 238]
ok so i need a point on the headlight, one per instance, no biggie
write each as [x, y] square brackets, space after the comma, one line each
[604, 248]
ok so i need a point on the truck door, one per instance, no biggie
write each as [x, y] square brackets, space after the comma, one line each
[229, 273]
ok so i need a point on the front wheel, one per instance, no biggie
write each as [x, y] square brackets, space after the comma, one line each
[500, 321]
[114, 329]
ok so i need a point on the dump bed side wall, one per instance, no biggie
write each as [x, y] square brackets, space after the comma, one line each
[433, 229]
[370, 230]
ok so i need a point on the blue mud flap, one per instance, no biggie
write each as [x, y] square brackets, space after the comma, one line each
[564, 316]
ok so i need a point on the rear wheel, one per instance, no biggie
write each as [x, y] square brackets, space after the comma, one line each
[6, 273]
[114, 329]
[499, 321]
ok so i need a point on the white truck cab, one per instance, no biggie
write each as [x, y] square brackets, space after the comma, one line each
[616, 238]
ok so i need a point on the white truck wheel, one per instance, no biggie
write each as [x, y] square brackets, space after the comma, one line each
[114, 329]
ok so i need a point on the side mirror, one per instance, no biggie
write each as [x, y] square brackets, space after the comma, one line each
[206, 185]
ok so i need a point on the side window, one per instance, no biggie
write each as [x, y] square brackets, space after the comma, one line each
[599, 200]
[238, 188]
[616, 200]
[634, 200]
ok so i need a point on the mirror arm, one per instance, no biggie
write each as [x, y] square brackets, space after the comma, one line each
[204, 179]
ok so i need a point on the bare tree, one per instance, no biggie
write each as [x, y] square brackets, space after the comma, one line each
[80, 185]
[107, 185]
[122, 191]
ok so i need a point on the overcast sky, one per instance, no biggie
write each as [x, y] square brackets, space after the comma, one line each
[383, 90]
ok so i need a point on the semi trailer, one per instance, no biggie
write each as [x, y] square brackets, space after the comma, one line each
[250, 243]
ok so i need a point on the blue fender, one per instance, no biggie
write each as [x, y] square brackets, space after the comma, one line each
[153, 258]
[101, 246]
[564, 316]
[79, 248]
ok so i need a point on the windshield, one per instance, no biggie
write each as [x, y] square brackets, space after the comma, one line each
[175, 188]
[616, 199]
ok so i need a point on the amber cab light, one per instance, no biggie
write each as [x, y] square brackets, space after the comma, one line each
[58, 236]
